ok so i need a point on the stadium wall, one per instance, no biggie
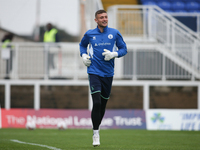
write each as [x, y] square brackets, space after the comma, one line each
[76, 95]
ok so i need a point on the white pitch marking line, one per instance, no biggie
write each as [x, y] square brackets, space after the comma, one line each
[50, 147]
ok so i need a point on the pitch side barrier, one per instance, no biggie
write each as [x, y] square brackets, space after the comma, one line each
[80, 118]
[151, 119]
[145, 84]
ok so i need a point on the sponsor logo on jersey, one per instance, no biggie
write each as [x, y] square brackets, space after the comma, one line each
[102, 44]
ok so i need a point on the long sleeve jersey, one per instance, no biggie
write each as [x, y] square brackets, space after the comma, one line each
[109, 39]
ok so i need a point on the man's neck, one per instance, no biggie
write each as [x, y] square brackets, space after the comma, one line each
[49, 29]
[101, 29]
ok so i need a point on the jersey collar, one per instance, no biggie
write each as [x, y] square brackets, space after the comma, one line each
[105, 29]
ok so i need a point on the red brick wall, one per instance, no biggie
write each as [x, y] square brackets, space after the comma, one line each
[173, 97]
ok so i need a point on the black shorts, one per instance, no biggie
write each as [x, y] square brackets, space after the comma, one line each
[100, 84]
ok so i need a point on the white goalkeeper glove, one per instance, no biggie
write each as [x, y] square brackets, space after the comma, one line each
[109, 55]
[86, 60]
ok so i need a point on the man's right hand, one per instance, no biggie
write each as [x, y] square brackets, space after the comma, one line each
[86, 60]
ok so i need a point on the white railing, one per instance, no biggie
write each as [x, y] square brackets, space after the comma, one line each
[43, 61]
[145, 84]
[149, 62]
[150, 23]
[195, 16]
[63, 61]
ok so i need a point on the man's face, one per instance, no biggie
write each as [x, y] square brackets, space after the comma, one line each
[102, 20]
[49, 27]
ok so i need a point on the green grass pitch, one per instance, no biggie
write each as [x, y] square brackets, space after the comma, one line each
[111, 139]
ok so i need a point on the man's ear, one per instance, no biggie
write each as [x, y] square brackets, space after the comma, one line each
[95, 20]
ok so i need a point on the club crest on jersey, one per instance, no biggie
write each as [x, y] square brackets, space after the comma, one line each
[110, 36]
[94, 37]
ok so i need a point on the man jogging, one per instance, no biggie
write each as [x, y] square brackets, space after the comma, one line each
[105, 44]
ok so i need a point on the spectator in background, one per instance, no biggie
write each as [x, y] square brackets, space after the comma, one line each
[7, 39]
[51, 34]
[7, 52]
[50, 37]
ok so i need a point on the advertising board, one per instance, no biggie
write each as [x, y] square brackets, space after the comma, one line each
[49, 118]
[161, 119]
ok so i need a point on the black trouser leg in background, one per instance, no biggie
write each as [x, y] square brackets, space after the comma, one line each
[103, 107]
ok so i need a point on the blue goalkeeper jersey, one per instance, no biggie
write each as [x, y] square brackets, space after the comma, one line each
[110, 39]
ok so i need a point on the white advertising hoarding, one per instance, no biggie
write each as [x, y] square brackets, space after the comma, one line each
[173, 119]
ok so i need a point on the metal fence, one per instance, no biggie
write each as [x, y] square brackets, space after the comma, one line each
[191, 20]
[151, 24]
[120, 83]
[42, 61]
[63, 61]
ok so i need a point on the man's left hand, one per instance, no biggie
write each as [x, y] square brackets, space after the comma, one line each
[109, 55]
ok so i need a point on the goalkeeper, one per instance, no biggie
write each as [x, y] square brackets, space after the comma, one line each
[105, 44]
